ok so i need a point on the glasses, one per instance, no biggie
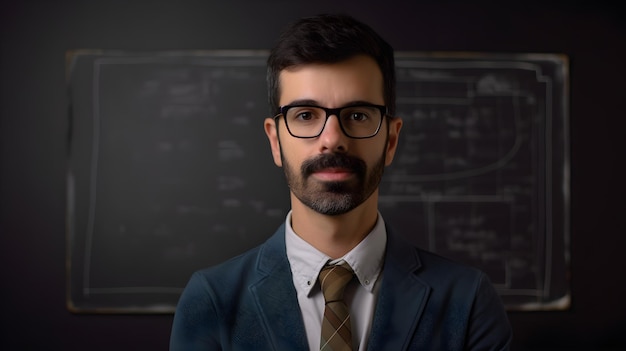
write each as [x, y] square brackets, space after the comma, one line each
[357, 121]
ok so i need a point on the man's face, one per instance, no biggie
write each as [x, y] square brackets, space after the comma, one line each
[333, 173]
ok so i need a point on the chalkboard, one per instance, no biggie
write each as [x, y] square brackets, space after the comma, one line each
[170, 170]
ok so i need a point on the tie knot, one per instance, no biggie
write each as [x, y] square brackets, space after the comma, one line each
[333, 280]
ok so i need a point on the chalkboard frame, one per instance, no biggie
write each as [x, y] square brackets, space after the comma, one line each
[553, 243]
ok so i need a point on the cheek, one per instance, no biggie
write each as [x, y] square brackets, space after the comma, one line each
[289, 153]
[374, 153]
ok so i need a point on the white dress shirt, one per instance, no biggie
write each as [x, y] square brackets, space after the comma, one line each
[366, 259]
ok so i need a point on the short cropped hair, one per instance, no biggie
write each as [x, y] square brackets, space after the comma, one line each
[329, 38]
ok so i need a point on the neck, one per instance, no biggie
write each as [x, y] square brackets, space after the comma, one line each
[334, 235]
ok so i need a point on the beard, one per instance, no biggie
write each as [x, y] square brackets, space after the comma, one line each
[334, 197]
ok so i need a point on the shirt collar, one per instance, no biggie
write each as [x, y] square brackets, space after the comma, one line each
[366, 258]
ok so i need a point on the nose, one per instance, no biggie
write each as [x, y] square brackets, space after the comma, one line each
[332, 138]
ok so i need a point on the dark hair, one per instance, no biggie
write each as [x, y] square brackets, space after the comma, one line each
[329, 39]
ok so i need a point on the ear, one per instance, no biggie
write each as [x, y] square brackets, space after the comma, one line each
[271, 130]
[395, 124]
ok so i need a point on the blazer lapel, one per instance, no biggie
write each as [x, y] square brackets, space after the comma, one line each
[276, 296]
[401, 299]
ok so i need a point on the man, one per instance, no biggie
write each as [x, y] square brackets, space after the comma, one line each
[332, 88]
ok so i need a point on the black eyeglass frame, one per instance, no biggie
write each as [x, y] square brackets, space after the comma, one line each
[333, 111]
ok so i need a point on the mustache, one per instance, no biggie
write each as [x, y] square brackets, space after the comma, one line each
[323, 161]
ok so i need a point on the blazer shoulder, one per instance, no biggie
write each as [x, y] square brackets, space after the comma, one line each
[233, 266]
[434, 261]
[248, 266]
[431, 268]
[457, 296]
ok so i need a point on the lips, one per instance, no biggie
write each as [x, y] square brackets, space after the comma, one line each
[334, 174]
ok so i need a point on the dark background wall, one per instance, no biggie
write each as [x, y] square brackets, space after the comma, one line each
[34, 36]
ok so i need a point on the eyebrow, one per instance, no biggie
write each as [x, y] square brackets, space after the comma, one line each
[316, 103]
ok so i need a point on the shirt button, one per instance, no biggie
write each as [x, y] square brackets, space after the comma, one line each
[367, 282]
[308, 282]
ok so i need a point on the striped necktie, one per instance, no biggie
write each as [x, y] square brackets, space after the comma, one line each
[336, 328]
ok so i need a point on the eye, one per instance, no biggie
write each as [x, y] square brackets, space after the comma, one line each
[303, 115]
[358, 116]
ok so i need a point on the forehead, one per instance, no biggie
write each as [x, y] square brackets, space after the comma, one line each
[333, 84]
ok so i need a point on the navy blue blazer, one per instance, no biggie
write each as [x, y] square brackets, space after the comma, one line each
[425, 302]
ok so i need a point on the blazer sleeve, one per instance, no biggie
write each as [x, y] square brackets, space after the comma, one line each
[489, 327]
[196, 323]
